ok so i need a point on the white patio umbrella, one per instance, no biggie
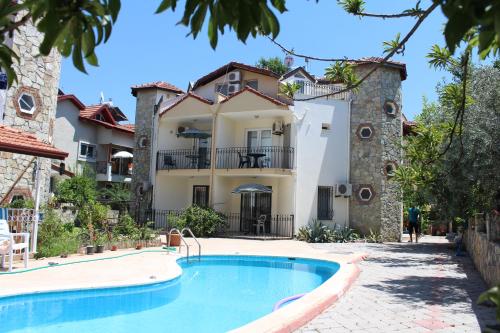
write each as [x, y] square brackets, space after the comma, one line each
[123, 154]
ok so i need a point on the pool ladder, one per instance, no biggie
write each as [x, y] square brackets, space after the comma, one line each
[181, 234]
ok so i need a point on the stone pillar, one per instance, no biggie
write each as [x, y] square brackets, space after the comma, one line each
[38, 77]
[376, 133]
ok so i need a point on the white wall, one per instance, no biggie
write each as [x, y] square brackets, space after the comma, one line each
[68, 130]
[321, 156]
[176, 192]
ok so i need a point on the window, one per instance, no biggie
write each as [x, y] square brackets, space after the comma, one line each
[87, 151]
[259, 138]
[200, 195]
[17, 197]
[99, 117]
[252, 84]
[390, 108]
[301, 84]
[325, 203]
[365, 131]
[27, 103]
[222, 89]
[325, 127]
[365, 194]
[390, 168]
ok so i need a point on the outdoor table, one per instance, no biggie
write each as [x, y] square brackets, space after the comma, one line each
[256, 157]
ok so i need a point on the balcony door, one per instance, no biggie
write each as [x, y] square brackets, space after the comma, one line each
[260, 141]
[202, 147]
[252, 206]
[200, 195]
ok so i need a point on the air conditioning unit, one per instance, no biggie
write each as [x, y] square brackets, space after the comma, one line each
[278, 128]
[233, 88]
[181, 129]
[234, 76]
[343, 190]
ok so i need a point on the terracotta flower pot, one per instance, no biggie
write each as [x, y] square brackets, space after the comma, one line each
[138, 246]
[175, 240]
[114, 248]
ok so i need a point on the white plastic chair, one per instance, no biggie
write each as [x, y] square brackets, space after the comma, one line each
[8, 244]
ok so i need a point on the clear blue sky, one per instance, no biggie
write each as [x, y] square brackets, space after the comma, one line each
[145, 47]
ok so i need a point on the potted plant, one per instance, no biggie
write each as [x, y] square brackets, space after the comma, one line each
[100, 240]
[114, 247]
[144, 234]
[90, 249]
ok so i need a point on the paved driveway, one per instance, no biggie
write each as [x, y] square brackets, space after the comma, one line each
[407, 287]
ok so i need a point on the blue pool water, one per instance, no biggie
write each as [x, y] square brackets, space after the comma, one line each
[215, 294]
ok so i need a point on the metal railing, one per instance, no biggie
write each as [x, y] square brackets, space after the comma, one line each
[258, 157]
[174, 159]
[162, 218]
[317, 89]
[278, 226]
[21, 220]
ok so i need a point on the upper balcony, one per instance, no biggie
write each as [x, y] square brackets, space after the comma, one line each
[176, 159]
[311, 89]
[114, 171]
[269, 157]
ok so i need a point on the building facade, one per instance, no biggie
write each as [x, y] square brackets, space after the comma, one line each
[94, 137]
[28, 105]
[329, 158]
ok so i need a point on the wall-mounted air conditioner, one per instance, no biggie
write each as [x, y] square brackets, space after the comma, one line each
[278, 127]
[343, 190]
[233, 88]
[234, 76]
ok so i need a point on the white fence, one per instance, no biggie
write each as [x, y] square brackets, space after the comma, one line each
[23, 220]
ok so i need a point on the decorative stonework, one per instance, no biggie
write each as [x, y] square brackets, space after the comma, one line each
[383, 213]
[38, 76]
[391, 108]
[365, 131]
[365, 194]
[390, 168]
[19, 191]
[33, 94]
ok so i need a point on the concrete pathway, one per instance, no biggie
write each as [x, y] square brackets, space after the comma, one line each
[407, 287]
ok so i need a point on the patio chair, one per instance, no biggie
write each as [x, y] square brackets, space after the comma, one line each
[244, 160]
[169, 162]
[260, 224]
[8, 244]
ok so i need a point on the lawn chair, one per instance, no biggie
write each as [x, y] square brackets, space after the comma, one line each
[8, 244]
[260, 224]
[244, 160]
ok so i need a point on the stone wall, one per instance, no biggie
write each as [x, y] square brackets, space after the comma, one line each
[38, 76]
[485, 255]
[370, 157]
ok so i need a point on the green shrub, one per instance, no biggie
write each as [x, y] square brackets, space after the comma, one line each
[145, 232]
[204, 222]
[126, 226]
[22, 203]
[344, 235]
[314, 232]
[373, 237]
[56, 237]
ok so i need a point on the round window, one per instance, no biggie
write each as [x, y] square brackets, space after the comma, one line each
[390, 169]
[390, 108]
[27, 103]
[143, 141]
[365, 194]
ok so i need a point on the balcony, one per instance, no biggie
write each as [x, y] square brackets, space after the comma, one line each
[114, 171]
[311, 89]
[176, 159]
[275, 157]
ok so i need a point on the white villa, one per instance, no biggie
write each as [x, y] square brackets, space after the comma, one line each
[329, 158]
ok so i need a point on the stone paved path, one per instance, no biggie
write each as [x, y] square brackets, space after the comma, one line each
[407, 287]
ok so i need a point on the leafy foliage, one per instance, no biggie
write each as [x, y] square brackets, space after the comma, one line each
[317, 232]
[289, 89]
[492, 295]
[22, 203]
[274, 64]
[78, 190]
[204, 222]
[56, 237]
[342, 72]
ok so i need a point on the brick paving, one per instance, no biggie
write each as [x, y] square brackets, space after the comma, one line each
[407, 287]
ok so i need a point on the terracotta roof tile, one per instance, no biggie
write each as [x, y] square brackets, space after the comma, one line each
[89, 113]
[73, 99]
[159, 85]
[16, 141]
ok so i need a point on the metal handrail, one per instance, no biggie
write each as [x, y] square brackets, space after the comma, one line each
[181, 234]
[195, 239]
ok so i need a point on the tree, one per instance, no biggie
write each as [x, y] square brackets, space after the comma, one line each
[76, 27]
[79, 190]
[274, 64]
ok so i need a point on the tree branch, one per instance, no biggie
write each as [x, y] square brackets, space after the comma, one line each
[384, 60]
[15, 25]
[390, 16]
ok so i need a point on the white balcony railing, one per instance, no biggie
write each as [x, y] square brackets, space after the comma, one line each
[311, 89]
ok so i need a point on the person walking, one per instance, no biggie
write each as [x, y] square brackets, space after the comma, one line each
[414, 219]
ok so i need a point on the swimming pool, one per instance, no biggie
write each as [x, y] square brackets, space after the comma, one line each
[214, 294]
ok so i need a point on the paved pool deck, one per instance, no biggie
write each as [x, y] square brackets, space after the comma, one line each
[407, 287]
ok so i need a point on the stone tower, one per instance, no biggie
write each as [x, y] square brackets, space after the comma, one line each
[147, 98]
[30, 105]
[376, 133]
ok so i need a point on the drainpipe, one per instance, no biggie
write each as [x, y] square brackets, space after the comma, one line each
[348, 154]
[153, 162]
[34, 238]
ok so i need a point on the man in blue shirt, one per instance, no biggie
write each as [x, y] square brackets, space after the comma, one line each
[414, 219]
